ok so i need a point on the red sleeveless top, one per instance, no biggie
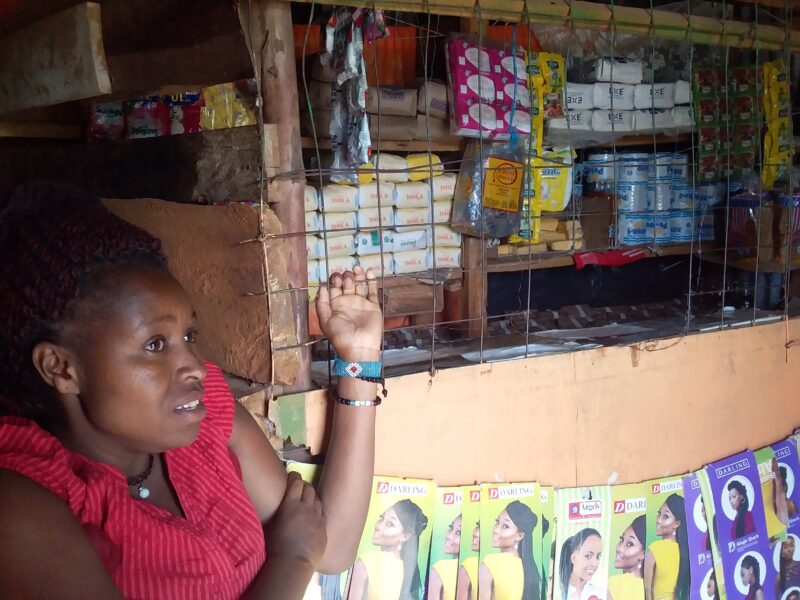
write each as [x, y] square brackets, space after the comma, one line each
[215, 552]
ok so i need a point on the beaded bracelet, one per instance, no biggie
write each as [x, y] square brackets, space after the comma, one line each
[348, 402]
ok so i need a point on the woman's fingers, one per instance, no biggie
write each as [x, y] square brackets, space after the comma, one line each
[360, 280]
[348, 283]
[372, 286]
[335, 286]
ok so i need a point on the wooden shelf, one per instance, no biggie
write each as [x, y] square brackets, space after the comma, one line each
[648, 139]
[750, 263]
[393, 145]
[552, 260]
[41, 130]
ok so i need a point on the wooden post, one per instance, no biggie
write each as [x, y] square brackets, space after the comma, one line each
[267, 27]
[475, 286]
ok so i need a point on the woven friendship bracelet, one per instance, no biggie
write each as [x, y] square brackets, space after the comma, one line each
[367, 370]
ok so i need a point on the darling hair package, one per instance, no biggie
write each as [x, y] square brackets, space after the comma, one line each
[627, 542]
[445, 543]
[511, 538]
[733, 487]
[786, 553]
[393, 551]
[469, 552]
[583, 524]
[701, 559]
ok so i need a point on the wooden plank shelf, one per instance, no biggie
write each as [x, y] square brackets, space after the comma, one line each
[393, 145]
[552, 260]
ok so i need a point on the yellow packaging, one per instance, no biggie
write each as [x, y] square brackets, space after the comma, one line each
[777, 153]
[776, 100]
[366, 174]
[537, 120]
[552, 67]
[225, 108]
[420, 166]
[503, 184]
[552, 178]
[530, 224]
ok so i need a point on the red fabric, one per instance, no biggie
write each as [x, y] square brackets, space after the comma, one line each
[215, 552]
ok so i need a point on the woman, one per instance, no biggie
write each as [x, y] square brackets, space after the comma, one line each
[791, 507]
[789, 568]
[751, 578]
[442, 577]
[666, 563]
[712, 590]
[629, 585]
[391, 573]
[511, 574]
[743, 523]
[579, 560]
[468, 571]
[122, 445]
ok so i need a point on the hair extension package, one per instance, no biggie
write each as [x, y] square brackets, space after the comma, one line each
[393, 551]
[511, 540]
[667, 558]
[583, 525]
[701, 562]
[739, 529]
[446, 531]
[627, 541]
[469, 552]
[547, 504]
[786, 553]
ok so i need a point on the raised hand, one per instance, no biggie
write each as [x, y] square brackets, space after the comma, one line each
[350, 315]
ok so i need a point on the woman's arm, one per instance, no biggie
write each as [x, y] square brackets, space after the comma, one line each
[485, 583]
[45, 550]
[463, 585]
[759, 595]
[434, 585]
[359, 581]
[649, 574]
[351, 318]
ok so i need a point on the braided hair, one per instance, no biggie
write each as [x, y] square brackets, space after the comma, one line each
[525, 520]
[741, 511]
[414, 522]
[57, 244]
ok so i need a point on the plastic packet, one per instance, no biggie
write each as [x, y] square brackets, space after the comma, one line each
[488, 190]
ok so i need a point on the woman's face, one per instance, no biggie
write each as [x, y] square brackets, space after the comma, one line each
[586, 559]
[630, 551]
[389, 532]
[746, 575]
[452, 539]
[787, 548]
[711, 587]
[666, 523]
[476, 538]
[139, 374]
[505, 534]
[735, 498]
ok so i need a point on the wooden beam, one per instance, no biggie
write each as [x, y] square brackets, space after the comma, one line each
[210, 166]
[267, 27]
[40, 130]
[55, 60]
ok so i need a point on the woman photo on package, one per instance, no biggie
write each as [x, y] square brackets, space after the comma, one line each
[751, 578]
[467, 581]
[127, 469]
[712, 589]
[579, 561]
[743, 524]
[666, 563]
[392, 571]
[511, 573]
[791, 507]
[443, 573]
[788, 567]
[629, 557]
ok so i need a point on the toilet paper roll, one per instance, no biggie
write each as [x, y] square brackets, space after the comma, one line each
[343, 245]
[313, 247]
[368, 195]
[369, 242]
[339, 221]
[422, 164]
[620, 94]
[411, 216]
[312, 222]
[380, 265]
[412, 195]
[445, 236]
[372, 218]
[682, 116]
[580, 96]
[442, 211]
[653, 118]
[434, 96]
[338, 264]
[313, 272]
[446, 258]
[335, 198]
[578, 120]
[310, 199]
[390, 167]
[410, 240]
[683, 92]
[392, 101]
[620, 120]
[655, 95]
[444, 187]
[413, 261]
